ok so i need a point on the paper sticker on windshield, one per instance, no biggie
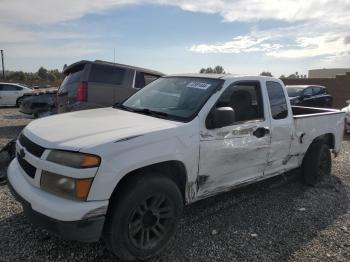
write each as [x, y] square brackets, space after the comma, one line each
[198, 85]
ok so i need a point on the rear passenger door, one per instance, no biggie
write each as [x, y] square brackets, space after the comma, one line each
[317, 98]
[281, 129]
[9, 94]
[321, 98]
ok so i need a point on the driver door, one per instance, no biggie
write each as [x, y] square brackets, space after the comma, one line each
[237, 153]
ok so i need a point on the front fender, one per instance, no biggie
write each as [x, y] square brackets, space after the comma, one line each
[141, 152]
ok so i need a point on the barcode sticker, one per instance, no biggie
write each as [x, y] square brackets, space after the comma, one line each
[198, 85]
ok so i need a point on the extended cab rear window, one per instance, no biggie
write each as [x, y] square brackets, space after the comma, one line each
[106, 74]
[278, 103]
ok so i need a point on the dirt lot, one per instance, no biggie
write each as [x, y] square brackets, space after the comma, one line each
[277, 220]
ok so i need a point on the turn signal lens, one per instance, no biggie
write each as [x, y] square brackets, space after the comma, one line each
[89, 161]
[82, 188]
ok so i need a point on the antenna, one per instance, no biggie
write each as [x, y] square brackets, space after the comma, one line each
[3, 66]
[114, 55]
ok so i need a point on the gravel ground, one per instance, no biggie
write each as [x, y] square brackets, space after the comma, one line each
[276, 220]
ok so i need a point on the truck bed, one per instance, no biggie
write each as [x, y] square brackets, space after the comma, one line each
[312, 122]
[301, 111]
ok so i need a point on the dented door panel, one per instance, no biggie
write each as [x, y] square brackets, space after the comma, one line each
[231, 155]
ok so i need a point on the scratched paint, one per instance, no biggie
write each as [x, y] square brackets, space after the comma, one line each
[231, 155]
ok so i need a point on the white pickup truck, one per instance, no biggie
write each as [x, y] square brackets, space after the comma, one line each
[124, 173]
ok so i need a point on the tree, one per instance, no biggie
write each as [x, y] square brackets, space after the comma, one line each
[17, 76]
[219, 70]
[265, 73]
[42, 73]
[282, 76]
[51, 76]
[216, 70]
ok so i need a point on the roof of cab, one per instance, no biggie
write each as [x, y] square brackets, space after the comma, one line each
[222, 76]
[304, 86]
[79, 63]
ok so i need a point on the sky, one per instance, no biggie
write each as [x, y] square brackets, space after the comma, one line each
[178, 36]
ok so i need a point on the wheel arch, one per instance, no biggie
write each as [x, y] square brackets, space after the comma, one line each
[328, 139]
[18, 98]
[173, 169]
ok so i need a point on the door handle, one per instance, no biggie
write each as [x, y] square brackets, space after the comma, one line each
[261, 132]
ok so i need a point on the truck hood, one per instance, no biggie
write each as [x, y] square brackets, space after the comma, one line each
[89, 128]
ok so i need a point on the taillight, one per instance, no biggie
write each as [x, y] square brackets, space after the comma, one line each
[82, 92]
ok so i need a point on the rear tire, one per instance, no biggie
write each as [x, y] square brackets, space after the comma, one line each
[317, 163]
[143, 217]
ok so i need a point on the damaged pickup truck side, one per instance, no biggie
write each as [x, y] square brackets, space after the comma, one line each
[124, 173]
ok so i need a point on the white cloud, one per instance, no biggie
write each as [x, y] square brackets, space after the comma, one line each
[239, 44]
[327, 45]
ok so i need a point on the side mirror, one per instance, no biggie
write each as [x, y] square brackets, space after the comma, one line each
[348, 102]
[222, 116]
[306, 96]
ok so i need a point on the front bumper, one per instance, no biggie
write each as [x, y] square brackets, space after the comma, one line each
[60, 216]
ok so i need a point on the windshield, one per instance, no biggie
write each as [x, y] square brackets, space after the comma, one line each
[178, 98]
[294, 91]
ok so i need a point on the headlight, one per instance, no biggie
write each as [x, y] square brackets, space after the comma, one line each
[74, 159]
[67, 187]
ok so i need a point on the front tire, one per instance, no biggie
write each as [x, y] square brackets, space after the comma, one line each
[317, 163]
[19, 101]
[143, 217]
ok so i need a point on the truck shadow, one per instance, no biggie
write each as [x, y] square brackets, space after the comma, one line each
[268, 221]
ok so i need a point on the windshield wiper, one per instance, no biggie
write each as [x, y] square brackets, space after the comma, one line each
[149, 112]
[121, 106]
[145, 111]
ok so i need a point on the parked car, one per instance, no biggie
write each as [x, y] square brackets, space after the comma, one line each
[347, 117]
[99, 84]
[309, 95]
[12, 94]
[124, 173]
[39, 103]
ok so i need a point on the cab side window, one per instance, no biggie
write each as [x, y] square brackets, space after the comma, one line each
[316, 90]
[245, 99]
[9, 88]
[308, 91]
[278, 103]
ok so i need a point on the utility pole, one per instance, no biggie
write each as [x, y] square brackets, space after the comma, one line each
[3, 66]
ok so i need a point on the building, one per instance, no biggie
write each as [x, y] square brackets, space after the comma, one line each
[327, 72]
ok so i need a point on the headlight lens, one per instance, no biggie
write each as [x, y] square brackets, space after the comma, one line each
[67, 187]
[74, 159]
